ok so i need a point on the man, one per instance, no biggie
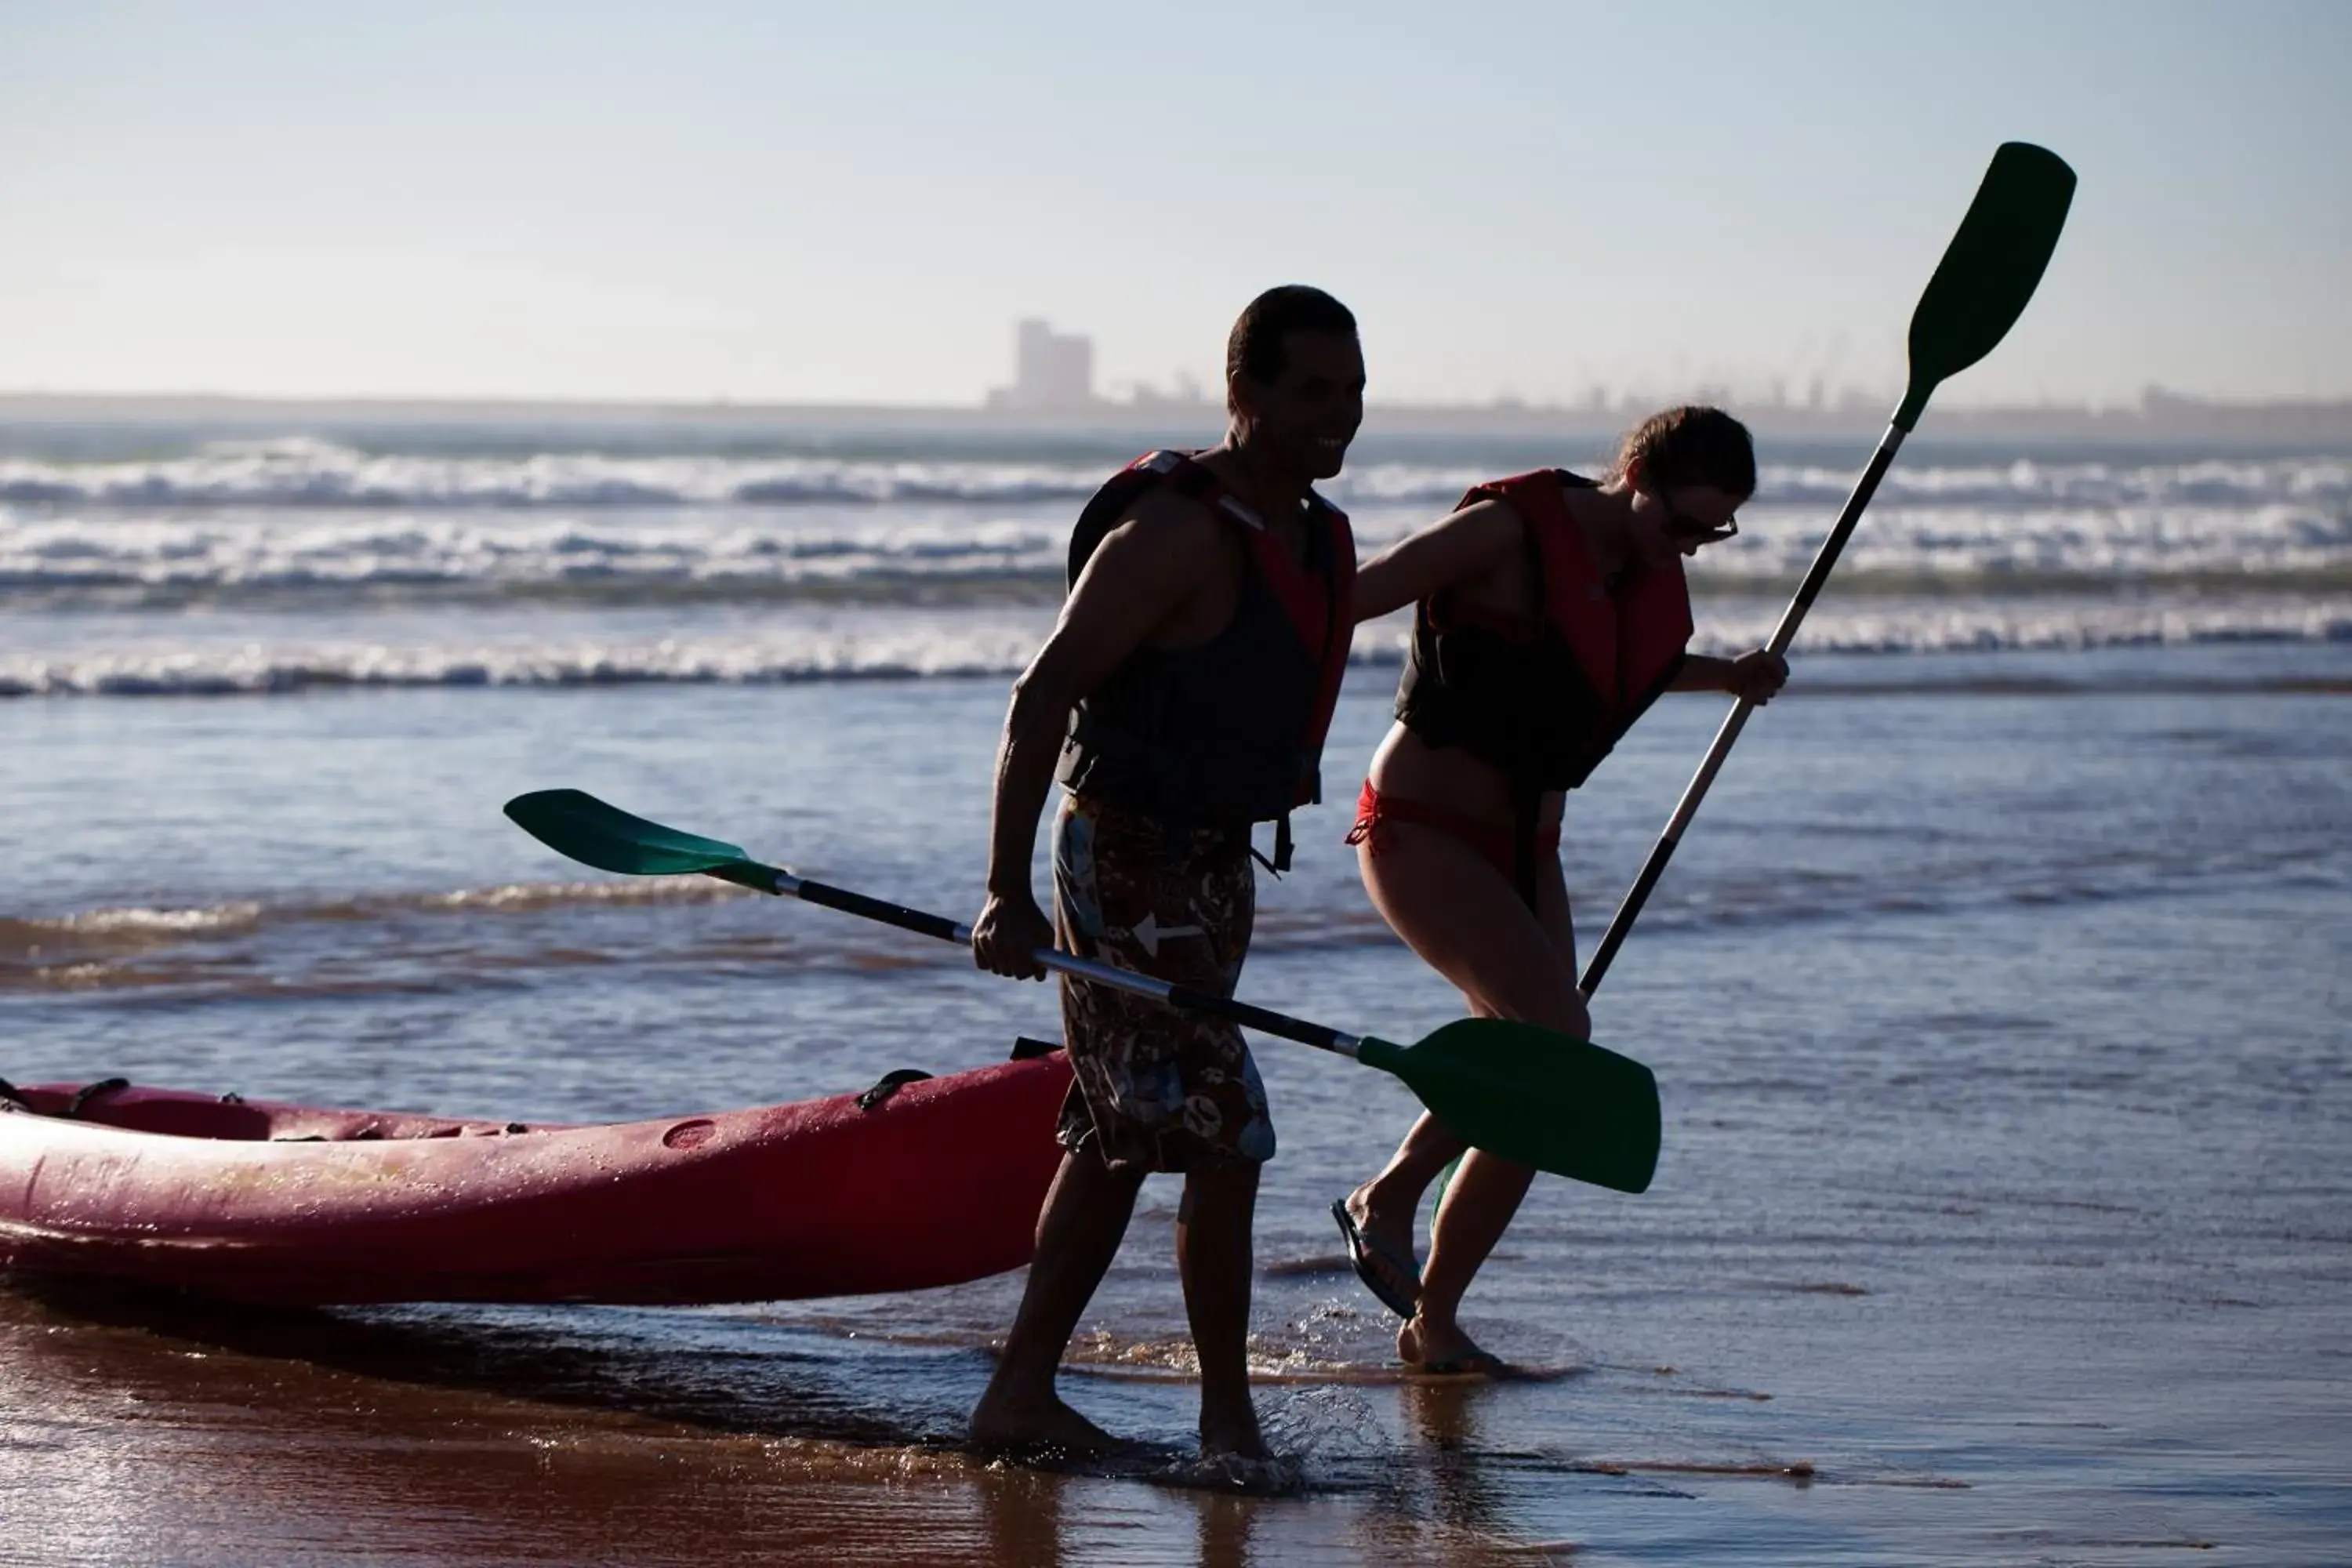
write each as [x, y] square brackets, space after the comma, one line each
[1185, 690]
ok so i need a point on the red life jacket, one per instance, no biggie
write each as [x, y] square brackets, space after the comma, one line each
[1546, 702]
[1230, 731]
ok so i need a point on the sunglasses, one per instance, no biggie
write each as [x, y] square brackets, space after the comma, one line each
[1685, 529]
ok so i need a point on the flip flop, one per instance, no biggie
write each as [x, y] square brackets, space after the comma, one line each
[1362, 1249]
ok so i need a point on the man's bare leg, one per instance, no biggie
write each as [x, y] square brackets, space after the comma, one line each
[1078, 1233]
[1213, 1251]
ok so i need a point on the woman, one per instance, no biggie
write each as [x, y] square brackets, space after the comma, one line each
[1550, 611]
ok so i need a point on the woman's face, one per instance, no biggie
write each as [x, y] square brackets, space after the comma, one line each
[1677, 520]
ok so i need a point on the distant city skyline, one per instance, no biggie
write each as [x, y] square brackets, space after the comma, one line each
[1053, 374]
[1051, 369]
[790, 204]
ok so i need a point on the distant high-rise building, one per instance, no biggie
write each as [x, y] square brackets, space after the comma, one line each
[1051, 369]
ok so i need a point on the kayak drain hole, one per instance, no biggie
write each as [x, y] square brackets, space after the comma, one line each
[689, 1134]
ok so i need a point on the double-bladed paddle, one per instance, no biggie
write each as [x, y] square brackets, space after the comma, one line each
[1526, 1093]
[1979, 289]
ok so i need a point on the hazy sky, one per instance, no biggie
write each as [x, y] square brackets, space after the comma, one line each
[853, 201]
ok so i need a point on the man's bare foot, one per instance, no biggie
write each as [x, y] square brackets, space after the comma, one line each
[1279, 1474]
[1232, 1434]
[1002, 1422]
[1428, 1347]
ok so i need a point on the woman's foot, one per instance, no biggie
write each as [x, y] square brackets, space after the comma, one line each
[1380, 1245]
[1444, 1349]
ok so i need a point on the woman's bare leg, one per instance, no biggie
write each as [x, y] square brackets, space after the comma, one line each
[1468, 922]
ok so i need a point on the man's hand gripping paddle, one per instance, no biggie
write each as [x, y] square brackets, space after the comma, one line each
[1526, 1093]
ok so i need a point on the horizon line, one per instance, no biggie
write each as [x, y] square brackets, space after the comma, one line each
[1851, 401]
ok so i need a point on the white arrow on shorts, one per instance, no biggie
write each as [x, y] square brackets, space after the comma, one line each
[1151, 933]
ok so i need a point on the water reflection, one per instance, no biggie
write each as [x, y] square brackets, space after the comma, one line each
[141, 1429]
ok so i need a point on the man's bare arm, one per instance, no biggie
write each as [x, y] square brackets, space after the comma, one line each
[1431, 559]
[1144, 569]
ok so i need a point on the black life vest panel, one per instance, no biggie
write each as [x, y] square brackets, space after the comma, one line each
[1230, 731]
[1547, 702]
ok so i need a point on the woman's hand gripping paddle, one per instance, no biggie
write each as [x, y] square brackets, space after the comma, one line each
[1526, 1093]
[1979, 289]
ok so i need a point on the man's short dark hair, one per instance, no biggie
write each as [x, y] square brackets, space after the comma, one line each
[1256, 348]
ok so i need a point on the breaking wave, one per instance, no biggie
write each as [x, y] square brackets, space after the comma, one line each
[314, 473]
[906, 646]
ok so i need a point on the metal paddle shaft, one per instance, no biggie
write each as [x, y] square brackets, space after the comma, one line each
[1979, 289]
[574, 823]
[1530, 1094]
[1184, 998]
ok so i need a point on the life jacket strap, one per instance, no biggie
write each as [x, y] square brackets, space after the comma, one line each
[1282, 847]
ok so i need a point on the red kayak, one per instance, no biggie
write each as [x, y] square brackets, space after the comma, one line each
[909, 1185]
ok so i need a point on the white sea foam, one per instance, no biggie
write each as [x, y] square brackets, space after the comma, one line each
[288, 564]
[309, 473]
[928, 552]
[1906, 542]
[746, 553]
[180, 660]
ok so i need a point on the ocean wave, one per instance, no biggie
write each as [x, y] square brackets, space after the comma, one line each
[323, 475]
[152, 563]
[2322, 483]
[319, 475]
[862, 646]
[927, 555]
[140, 945]
[132, 928]
[118, 931]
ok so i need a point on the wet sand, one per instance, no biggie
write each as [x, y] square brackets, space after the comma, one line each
[138, 1429]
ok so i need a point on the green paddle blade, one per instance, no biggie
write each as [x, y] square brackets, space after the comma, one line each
[1536, 1096]
[1990, 268]
[578, 824]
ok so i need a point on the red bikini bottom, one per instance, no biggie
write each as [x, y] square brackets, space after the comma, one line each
[1498, 845]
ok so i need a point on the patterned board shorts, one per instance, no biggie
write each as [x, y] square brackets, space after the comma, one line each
[1154, 1089]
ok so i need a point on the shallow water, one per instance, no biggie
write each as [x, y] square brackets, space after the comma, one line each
[1993, 997]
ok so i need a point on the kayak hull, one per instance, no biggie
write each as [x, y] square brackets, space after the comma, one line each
[936, 1184]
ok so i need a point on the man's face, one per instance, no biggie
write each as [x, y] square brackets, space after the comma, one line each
[1305, 416]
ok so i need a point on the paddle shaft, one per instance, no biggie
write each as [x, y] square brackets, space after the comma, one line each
[1664, 850]
[1562, 1105]
[773, 880]
[1985, 281]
